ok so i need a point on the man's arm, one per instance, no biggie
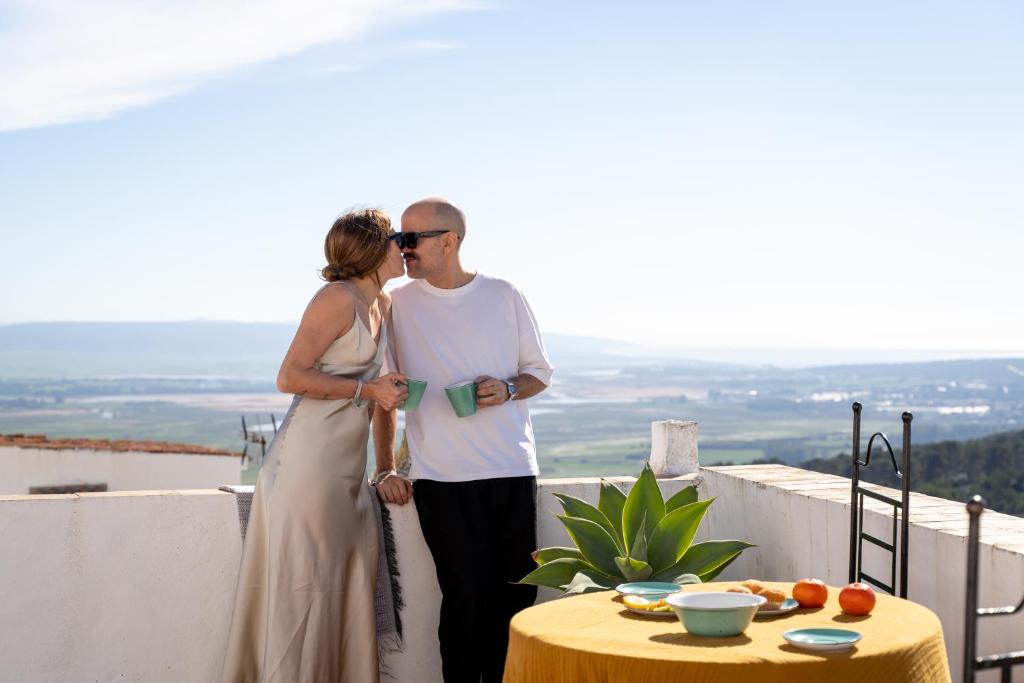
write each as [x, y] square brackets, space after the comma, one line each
[494, 392]
[391, 487]
[534, 367]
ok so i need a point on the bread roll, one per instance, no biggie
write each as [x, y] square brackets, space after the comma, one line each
[774, 596]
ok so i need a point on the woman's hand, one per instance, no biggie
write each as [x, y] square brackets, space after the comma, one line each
[388, 391]
[394, 489]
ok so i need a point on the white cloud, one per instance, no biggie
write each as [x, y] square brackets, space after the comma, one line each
[66, 61]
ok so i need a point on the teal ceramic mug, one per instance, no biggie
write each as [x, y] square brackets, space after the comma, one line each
[416, 388]
[462, 396]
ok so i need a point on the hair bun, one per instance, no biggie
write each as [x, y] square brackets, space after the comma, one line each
[356, 245]
[333, 272]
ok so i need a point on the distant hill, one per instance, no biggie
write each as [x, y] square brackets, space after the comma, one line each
[253, 351]
[992, 466]
[83, 348]
[210, 338]
[1009, 371]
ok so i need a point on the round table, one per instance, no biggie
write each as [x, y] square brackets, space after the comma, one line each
[594, 638]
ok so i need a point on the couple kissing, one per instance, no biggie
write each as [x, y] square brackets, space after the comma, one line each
[304, 606]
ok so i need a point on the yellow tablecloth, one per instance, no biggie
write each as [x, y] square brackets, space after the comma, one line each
[593, 638]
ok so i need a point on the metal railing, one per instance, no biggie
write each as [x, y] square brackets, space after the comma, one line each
[972, 662]
[256, 436]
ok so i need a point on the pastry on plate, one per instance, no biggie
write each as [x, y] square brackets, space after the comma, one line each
[754, 586]
[774, 596]
[738, 589]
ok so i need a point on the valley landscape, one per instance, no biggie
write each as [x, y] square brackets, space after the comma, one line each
[188, 382]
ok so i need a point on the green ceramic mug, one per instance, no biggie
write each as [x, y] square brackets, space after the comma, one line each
[416, 389]
[462, 396]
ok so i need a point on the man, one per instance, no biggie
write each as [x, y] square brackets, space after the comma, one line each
[475, 477]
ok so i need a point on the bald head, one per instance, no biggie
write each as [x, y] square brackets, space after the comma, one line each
[440, 213]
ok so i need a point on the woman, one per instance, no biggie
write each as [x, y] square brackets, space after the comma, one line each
[304, 605]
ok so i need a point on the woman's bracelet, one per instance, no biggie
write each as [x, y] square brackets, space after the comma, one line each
[381, 476]
[359, 390]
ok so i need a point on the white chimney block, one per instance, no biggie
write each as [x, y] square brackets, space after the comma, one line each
[673, 448]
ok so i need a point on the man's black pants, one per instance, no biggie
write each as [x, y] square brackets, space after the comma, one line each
[481, 534]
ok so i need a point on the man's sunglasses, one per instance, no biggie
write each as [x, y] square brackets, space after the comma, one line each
[410, 240]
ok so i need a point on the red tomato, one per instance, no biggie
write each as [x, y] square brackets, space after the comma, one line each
[857, 599]
[810, 592]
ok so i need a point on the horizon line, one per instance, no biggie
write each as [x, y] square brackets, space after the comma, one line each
[990, 353]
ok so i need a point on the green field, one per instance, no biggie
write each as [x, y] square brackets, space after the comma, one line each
[572, 440]
[730, 456]
[588, 424]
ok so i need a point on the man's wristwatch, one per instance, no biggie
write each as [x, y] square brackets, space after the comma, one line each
[512, 389]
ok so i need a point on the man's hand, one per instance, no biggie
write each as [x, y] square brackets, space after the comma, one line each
[394, 489]
[490, 391]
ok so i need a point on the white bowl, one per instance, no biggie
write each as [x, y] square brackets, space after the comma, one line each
[715, 614]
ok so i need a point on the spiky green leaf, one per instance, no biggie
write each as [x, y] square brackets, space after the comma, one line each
[674, 533]
[686, 579]
[598, 548]
[684, 497]
[633, 570]
[589, 581]
[610, 502]
[703, 558]
[556, 573]
[545, 555]
[639, 549]
[577, 507]
[711, 575]
[643, 499]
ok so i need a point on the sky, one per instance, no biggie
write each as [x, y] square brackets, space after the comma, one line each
[808, 175]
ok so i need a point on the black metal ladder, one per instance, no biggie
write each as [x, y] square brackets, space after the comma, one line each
[900, 509]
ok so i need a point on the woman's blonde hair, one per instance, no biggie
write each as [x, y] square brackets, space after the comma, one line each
[356, 245]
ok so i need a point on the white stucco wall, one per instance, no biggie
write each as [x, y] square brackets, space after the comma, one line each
[139, 585]
[116, 586]
[21, 468]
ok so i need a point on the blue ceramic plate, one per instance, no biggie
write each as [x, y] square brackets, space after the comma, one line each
[648, 589]
[788, 605]
[822, 639]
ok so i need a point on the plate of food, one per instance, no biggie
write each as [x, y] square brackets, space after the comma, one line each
[776, 601]
[648, 607]
[822, 639]
[787, 606]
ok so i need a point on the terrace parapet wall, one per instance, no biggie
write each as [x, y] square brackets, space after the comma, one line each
[74, 464]
[139, 585]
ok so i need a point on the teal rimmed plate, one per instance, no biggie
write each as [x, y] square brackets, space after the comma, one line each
[648, 589]
[822, 639]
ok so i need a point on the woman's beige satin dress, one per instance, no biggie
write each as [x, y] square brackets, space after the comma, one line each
[304, 607]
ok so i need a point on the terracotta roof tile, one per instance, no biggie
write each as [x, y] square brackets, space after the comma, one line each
[41, 441]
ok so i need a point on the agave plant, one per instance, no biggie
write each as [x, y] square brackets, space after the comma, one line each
[639, 537]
